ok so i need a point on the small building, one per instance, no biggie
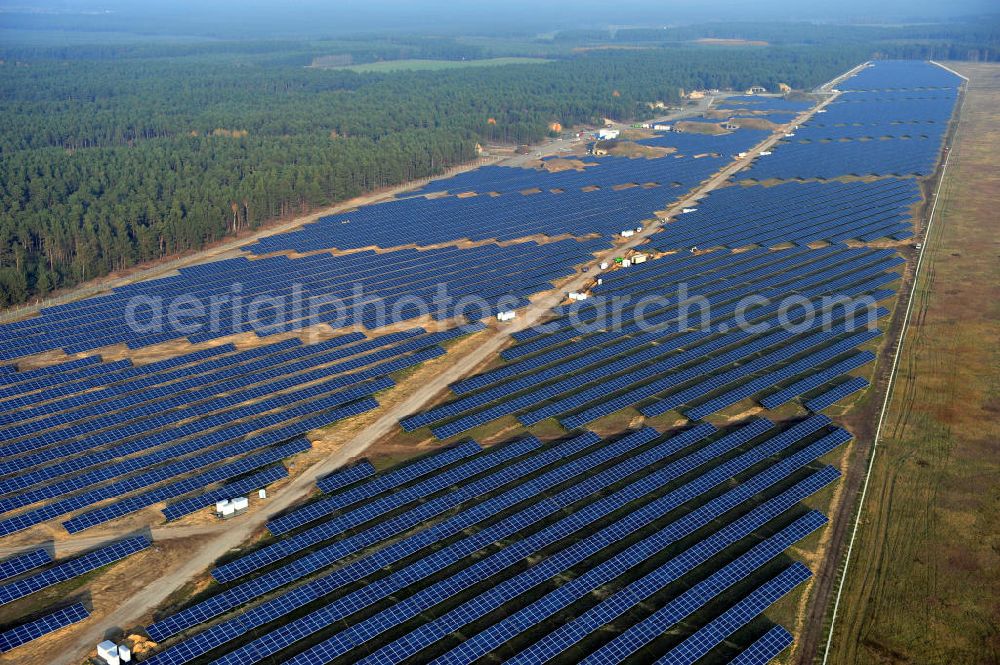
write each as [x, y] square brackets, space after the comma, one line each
[639, 258]
[607, 134]
[756, 90]
[661, 127]
[108, 652]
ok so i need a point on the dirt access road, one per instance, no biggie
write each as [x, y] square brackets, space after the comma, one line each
[239, 531]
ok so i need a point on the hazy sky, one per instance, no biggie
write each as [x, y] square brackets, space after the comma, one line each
[318, 17]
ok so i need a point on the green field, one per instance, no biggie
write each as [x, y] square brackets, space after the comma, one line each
[417, 64]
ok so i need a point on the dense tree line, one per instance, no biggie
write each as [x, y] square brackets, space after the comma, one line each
[105, 163]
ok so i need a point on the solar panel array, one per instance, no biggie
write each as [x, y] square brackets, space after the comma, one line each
[21, 563]
[800, 213]
[280, 294]
[164, 431]
[890, 120]
[693, 498]
[581, 366]
[584, 548]
[505, 217]
[32, 630]
[766, 648]
[600, 171]
[73, 568]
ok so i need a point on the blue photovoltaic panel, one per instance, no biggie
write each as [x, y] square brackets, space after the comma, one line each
[375, 511]
[52, 621]
[474, 647]
[836, 393]
[614, 606]
[695, 597]
[368, 489]
[72, 568]
[343, 477]
[21, 563]
[531, 492]
[740, 614]
[567, 525]
[582, 549]
[765, 649]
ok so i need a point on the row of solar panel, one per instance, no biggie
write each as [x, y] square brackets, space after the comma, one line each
[600, 171]
[50, 622]
[791, 212]
[222, 391]
[312, 283]
[420, 347]
[636, 366]
[511, 589]
[514, 588]
[73, 568]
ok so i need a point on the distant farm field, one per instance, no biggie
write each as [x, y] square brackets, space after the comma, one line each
[922, 583]
[416, 64]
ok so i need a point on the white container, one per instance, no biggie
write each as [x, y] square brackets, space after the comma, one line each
[790, 135]
[626, 263]
[604, 265]
[124, 653]
[639, 258]
[240, 503]
[685, 211]
[662, 128]
[228, 511]
[627, 233]
[108, 652]
[741, 154]
[507, 315]
[221, 505]
[638, 229]
[599, 281]
[262, 493]
[764, 153]
[107, 649]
